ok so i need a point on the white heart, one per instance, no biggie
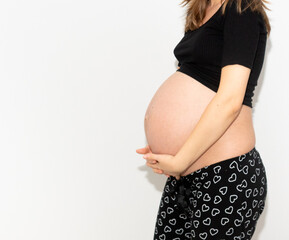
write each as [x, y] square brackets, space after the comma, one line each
[242, 157]
[198, 213]
[217, 199]
[238, 222]
[216, 178]
[224, 221]
[205, 207]
[170, 210]
[245, 169]
[248, 192]
[261, 191]
[207, 221]
[196, 223]
[229, 210]
[163, 214]
[254, 203]
[233, 165]
[163, 237]
[207, 184]
[249, 213]
[207, 197]
[183, 216]
[167, 229]
[258, 171]
[244, 205]
[217, 169]
[255, 193]
[214, 231]
[223, 190]
[166, 199]
[188, 225]
[215, 211]
[203, 235]
[230, 231]
[173, 221]
[233, 198]
[233, 177]
[179, 231]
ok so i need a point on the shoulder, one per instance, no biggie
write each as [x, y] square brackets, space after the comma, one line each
[233, 10]
[244, 16]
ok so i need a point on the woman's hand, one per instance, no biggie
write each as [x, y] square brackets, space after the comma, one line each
[160, 162]
[146, 150]
[165, 162]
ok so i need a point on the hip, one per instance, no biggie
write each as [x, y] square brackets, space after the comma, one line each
[243, 177]
[220, 201]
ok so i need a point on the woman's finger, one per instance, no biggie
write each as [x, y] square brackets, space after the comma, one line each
[177, 177]
[143, 150]
[154, 166]
[151, 156]
[158, 171]
[152, 161]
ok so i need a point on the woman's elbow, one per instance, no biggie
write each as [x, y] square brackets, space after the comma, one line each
[232, 104]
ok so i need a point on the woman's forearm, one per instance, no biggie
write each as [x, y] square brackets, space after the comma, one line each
[215, 120]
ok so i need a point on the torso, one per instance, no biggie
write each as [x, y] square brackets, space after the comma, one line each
[175, 110]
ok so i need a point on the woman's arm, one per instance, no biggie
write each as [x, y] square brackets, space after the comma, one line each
[217, 117]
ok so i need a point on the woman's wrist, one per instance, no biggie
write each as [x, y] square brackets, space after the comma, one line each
[181, 163]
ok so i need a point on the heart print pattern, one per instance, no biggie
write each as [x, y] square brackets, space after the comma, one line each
[222, 201]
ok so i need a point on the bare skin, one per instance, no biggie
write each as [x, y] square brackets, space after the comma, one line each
[174, 111]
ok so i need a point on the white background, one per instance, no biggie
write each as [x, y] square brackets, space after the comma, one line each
[75, 80]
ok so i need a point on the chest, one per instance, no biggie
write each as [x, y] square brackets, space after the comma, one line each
[203, 45]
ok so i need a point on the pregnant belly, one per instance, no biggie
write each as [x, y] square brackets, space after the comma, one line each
[174, 111]
[176, 108]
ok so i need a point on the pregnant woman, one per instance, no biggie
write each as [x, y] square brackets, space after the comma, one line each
[199, 125]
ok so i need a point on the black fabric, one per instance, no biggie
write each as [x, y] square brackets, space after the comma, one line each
[222, 201]
[223, 40]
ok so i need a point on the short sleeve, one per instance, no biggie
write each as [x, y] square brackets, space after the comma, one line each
[240, 37]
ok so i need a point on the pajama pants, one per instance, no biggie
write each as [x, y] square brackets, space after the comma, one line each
[222, 201]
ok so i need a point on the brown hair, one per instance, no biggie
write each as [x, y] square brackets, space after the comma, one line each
[197, 9]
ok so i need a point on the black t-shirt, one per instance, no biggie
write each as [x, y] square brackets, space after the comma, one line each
[231, 38]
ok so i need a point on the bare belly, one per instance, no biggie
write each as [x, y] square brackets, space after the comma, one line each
[173, 113]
